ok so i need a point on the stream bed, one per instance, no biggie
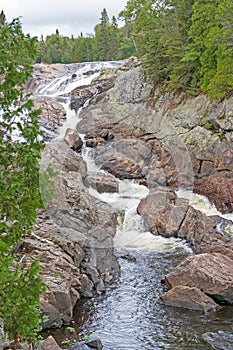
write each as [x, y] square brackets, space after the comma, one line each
[128, 315]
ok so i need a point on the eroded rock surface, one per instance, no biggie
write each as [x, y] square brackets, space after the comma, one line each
[211, 273]
[191, 298]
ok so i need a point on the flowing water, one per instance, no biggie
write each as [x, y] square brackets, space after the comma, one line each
[129, 316]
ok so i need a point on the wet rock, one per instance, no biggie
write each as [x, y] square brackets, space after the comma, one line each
[94, 343]
[201, 231]
[101, 182]
[73, 139]
[81, 95]
[189, 298]
[220, 340]
[87, 286]
[211, 273]
[124, 158]
[165, 214]
[123, 168]
[162, 211]
[218, 188]
[49, 344]
[97, 136]
[94, 141]
[43, 73]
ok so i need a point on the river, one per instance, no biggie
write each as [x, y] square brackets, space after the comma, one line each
[129, 316]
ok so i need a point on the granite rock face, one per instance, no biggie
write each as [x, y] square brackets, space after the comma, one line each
[73, 237]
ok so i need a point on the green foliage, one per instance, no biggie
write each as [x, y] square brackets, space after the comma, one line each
[106, 38]
[20, 286]
[186, 43]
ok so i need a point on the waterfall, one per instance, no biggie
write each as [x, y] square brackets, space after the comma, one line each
[128, 316]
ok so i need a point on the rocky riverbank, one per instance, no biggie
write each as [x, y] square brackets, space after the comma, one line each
[164, 141]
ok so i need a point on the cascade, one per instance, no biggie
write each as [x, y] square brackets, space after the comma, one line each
[128, 316]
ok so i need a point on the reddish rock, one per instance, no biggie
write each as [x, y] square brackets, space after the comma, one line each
[189, 298]
[166, 215]
[200, 231]
[160, 213]
[123, 168]
[218, 188]
[73, 139]
[221, 250]
[101, 182]
[212, 273]
[94, 141]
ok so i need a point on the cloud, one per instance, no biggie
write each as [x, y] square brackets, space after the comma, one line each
[69, 16]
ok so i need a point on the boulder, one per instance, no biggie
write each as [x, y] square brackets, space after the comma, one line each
[218, 188]
[124, 158]
[165, 214]
[80, 95]
[191, 298]
[201, 231]
[101, 182]
[211, 273]
[73, 139]
[221, 250]
[162, 212]
[123, 168]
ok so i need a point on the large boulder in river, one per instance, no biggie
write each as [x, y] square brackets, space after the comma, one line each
[211, 273]
[165, 214]
[73, 139]
[191, 298]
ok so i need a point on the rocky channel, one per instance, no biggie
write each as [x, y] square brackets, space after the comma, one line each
[141, 132]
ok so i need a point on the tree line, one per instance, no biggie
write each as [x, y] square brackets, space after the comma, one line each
[187, 44]
[108, 43]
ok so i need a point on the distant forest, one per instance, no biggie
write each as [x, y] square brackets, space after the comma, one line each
[187, 44]
[108, 43]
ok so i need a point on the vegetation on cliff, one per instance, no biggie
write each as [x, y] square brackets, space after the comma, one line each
[20, 148]
[188, 44]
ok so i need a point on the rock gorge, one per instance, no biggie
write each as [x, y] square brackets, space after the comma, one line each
[161, 140]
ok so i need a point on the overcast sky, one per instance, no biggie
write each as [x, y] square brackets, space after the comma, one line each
[68, 16]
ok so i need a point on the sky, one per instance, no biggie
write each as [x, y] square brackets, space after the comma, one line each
[68, 16]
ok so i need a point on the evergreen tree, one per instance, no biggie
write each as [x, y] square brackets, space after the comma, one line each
[212, 35]
[20, 286]
[102, 36]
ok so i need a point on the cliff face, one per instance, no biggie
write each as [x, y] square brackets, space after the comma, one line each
[137, 132]
[190, 139]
